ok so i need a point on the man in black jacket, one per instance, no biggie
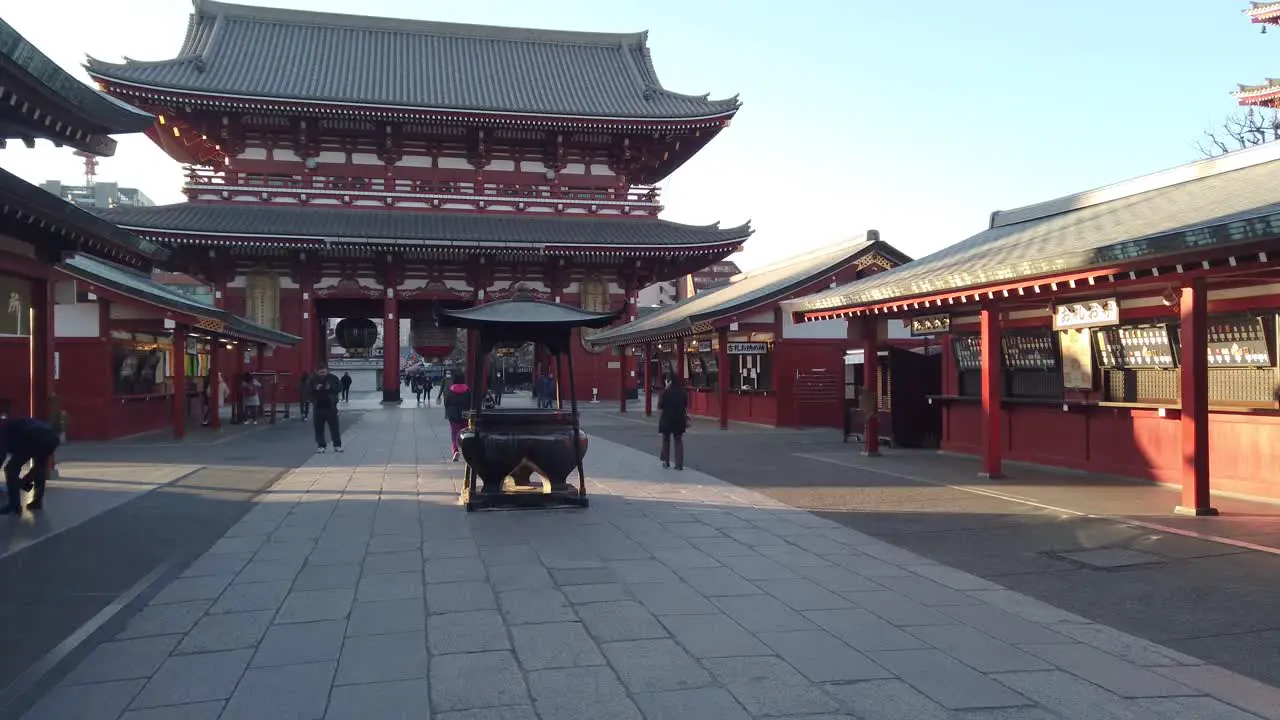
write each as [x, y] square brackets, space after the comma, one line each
[325, 390]
[26, 440]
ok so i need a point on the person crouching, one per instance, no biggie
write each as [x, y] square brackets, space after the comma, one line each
[26, 440]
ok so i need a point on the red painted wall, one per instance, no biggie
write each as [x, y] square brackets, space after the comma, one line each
[15, 376]
[760, 408]
[1244, 448]
[809, 358]
[84, 387]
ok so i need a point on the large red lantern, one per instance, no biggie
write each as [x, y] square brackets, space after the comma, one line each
[356, 333]
[429, 341]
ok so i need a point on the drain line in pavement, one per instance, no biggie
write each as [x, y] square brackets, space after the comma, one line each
[36, 672]
[1066, 511]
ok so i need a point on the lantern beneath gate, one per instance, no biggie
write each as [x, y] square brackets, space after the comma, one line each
[431, 342]
[356, 333]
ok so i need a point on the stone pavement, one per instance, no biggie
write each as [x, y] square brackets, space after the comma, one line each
[357, 588]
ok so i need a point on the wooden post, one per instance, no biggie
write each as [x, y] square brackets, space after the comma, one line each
[722, 375]
[622, 378]
[40, 363]
[307, 348]
[992, 390]
[179, 382]
[390, 347]
[680, 358]
[648, 379]
[871, 386]
[1194, 418]
[215, 389]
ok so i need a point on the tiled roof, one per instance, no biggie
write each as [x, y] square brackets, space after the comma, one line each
[271, 53]
[84, 229]
[745, 292]
[525, 312]
[1126, 224]
[414, 228]
[144, 289]
[22, 62]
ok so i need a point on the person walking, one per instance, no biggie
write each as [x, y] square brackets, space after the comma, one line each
[457, 401]
[304, 396]
[346, 387]
[418, 386]
[324, 390]
[26, 440]
[251, 394]
[673, 420]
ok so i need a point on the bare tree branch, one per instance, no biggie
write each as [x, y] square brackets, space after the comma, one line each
[1243, 130]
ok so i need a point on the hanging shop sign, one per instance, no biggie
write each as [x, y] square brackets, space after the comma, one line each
[748, 348]
[1086, 314]
[930, 325]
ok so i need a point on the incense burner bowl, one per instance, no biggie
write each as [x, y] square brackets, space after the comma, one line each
[517, 443]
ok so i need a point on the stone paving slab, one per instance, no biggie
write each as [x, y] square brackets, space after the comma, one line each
[357, 587]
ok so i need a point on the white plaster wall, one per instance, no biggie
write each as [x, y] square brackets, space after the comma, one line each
[79, 320]
[819, 330]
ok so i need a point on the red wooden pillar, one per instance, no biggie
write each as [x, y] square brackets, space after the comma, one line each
[179, 382]
[1194, 418]
[648, 379]
[390, 348]
[215, 380]
[992, 387]
[871, 386]
[722, 375]
[307, 348]
[623, 351]
[40, 362]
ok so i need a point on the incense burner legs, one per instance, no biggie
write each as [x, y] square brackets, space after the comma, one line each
[494, 456]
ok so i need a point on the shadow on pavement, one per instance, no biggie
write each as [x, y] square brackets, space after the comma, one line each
[1211, 600]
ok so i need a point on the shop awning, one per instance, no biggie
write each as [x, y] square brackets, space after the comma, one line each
[749, 291]
[1192, 211]
[183, 308]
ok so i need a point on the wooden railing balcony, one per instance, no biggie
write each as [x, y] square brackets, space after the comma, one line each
[229, 185]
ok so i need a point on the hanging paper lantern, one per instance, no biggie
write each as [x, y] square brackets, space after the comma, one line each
[431, 341]
[356, 333]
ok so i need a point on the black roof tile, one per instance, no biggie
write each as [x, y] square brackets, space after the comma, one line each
[18, 195]
[83, 106]
[747, 291]
[301, 55]
[141, 287]
[409, 227]
[1129, 223]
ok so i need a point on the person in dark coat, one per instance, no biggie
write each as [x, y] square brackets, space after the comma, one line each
[673, 420]
[325, 390]
[346, 387]
[26, 440]
[457, 401]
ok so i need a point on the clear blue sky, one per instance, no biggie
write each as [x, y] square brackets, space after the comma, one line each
[915, 118]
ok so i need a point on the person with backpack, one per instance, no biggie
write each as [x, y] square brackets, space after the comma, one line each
[325, 389]
[457, 402]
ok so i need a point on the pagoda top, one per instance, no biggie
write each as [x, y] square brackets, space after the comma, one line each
[378, 66]
[1264, 95]
[1264, 12]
